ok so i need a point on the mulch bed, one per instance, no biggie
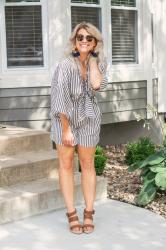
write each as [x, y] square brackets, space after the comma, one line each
[125, 186]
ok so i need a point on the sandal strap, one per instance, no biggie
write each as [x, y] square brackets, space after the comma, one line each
[76, 226]
[89, 212]
[89, 225]
[71, 214]
[74, 218]
[88, 216]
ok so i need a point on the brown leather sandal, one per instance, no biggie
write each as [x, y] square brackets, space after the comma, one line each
[88, 215]
[74, 218]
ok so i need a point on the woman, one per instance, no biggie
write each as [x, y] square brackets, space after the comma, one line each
[76, 117]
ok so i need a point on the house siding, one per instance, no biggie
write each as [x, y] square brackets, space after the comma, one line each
[30, 107]
[120, 101]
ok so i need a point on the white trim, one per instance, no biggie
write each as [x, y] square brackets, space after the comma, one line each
[123, 7]
[23, 4]
[86, 5]
[106, 29]
[154, 63]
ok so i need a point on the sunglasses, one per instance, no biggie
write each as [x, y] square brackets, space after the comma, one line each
[88, 38]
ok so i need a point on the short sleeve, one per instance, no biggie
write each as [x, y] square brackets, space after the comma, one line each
[60, 93]
[103, 69]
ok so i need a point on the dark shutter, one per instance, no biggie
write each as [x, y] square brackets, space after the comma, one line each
[24, 35]
[124, 23]
[80, 14]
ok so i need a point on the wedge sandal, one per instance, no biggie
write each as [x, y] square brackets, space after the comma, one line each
[72, 218]
[88, 215]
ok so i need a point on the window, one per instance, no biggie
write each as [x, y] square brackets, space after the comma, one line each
[86, 10]
[24, 43]
[124, 31]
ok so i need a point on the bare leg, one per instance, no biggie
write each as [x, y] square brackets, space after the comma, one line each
[88, 177]
[66, 177]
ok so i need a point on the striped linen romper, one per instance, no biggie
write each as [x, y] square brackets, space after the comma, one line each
[74, 97]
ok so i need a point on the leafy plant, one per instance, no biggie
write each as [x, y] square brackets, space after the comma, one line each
[99, 150]
[153, 175]
[137, 151]
[99, 160]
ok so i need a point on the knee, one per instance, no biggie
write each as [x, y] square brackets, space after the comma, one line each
[66, 164]
[87, 164]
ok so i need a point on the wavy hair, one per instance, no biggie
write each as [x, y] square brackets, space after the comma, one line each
[91, 29]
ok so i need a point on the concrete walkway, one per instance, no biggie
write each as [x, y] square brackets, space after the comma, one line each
[119, 226]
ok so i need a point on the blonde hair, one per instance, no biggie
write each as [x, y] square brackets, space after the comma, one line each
[91, 29]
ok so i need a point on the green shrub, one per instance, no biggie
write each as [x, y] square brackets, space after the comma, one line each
[99, 150]
[153, 175]
[99, 161]
[138, 151]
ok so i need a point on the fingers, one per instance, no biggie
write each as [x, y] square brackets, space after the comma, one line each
[68, 141]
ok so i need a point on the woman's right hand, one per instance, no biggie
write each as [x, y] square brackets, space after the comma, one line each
[67, 137]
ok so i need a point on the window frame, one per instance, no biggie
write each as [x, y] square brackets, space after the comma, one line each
[135, 8]
[99, 6]
[86, 4]
[5, 68]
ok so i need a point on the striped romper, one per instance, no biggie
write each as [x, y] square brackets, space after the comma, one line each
[74, 97]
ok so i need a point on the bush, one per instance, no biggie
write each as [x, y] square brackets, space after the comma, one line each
[153, 175]
[138, 151]
[99, 161]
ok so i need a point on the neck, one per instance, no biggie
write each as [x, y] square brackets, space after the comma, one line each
[83, 58]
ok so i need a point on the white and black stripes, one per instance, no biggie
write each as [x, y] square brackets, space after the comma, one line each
[74, 97]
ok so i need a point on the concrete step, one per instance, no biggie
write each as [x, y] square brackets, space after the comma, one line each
[14, 140]
[43, 195]
[29, 166]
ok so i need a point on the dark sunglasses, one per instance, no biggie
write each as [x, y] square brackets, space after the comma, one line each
[88, 38]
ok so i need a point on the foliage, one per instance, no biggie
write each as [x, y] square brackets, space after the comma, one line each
[99, 160]
[99, 150]
[153, 175]
[138, 151]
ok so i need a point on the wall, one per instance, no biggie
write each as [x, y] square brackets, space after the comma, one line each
[30, 107]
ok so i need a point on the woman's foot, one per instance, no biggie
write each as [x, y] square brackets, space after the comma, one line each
[88, 226]
[75, 226]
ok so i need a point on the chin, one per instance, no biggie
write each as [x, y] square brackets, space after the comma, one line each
[84, 51]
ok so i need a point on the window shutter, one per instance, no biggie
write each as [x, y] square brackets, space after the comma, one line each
[24, 35]
[123, 35]
[126, 3]
[80, 14]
